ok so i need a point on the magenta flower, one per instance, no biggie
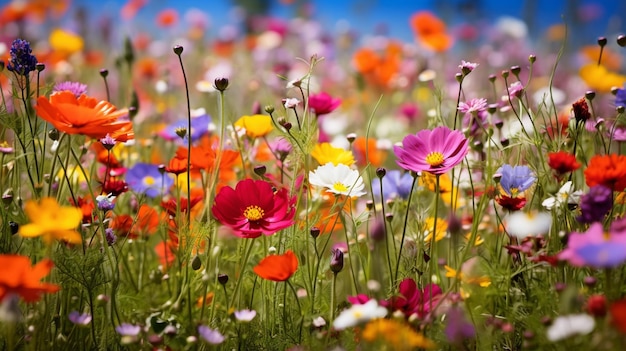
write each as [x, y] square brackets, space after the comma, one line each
[435, 151]
[596, 248]
[253, 208]
[323, 103]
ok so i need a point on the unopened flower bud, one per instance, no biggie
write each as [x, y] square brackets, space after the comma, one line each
[532, 58]
[222, 278]
[351, 137]
[315, 232]
[196, 263]
[621, 40]
[602, 41]
[619, 109]
[178, 49]
[458, 77]
[505, 74]
[269, 109]
[40, 66]
[336, 260]
[260, 170]
[53, 134]
[104, 72]
[14, 227]
[516, 70]
[221, 84]
[181, 132]
[590, 95]
[381, 172]
[492, 78]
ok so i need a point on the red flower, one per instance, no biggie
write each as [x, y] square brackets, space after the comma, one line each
[562, 162]
[414, 301]
[618, 315]
[607, 170]
[19, 277]
[252, 208]
[511, 203]
[596, 305]
[277, 268]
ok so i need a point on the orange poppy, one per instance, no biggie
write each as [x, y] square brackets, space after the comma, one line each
[277, 268]
[378, 69]
[203, 157]
[84, 115]
[19, 277]
[145, 224]
[607, 170]
[177, 165]
[431, 31]
[375, 156]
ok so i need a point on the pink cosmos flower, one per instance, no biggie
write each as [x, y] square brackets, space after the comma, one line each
[253, 208]
[323, 103]
[595, 247]
[435, 151]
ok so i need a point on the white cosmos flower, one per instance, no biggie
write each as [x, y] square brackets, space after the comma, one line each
[339, 179]
[565, 196]
[358, 314]
[522, 224]
[565, 326]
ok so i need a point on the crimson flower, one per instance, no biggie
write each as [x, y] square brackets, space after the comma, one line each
[413, 300]
[323, 103]
[562, 162]
[436, 151]
[253, 208]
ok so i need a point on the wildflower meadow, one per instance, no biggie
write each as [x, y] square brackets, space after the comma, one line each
[266, 181]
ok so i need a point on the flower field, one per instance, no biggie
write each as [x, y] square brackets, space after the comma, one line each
[275, 184]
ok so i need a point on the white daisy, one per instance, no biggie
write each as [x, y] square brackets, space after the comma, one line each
[358, 314]
[565, 196]
[565, 326]
[523, 224]
[339, 179]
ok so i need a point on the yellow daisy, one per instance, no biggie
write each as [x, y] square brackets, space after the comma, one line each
[52, 221]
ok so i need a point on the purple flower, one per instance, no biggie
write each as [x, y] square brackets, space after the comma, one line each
[22, 62]
[467, 67]
[595, 204]
[395, 184]
[127, 329]
[516, 179]
[146, 178]
[81, 319]
[595, 248]
[336, 260]
[212, 336]
[458, 328]
[620, 97]
[199, 128]
[109, 234]
[291, 102]
[108, 142]
[436, 151]
[105, 202]
[5, 148]
[245, 315]
[75, 88]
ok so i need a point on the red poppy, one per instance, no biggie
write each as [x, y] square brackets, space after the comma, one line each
[145, 223]
[618, 314]
[114, 187]
[177, 165]
[607, 170]
[277, 268]
[86, 206]
[562, 162]
[19, 277]
[253, 208]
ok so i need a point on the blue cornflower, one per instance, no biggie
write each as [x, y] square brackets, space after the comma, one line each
[22, 61]
[199, 128]
[146, 178]
[515, 180]
[395, 184]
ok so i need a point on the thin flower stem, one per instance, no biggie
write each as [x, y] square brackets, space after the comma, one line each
[386, 233]
[182, 68]
[243, 263]
[433, 237]
[406, 220]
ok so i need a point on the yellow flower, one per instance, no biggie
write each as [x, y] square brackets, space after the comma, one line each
[429, 181]
[326, 153]
[65, 42]
[399, 335]
[52, 221]
[482, 281]
[75, 175]
[429, 224]
[598, 78]
[477, 240]
[255, 125]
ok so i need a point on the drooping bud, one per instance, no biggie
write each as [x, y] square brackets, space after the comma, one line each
[336, 260]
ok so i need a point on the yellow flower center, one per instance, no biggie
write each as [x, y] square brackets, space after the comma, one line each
[253, 213]
[434, 158]
[340, 187]
[148, 181]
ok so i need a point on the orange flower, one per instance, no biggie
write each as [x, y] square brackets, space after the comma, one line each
[431, 31]
[167, 18]
[145, 224]
[607, 170]
[84, 115]
[277, 268]
[378, 69]
[19, 277]
[177, 165]
[131, 7]
[370, 153]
